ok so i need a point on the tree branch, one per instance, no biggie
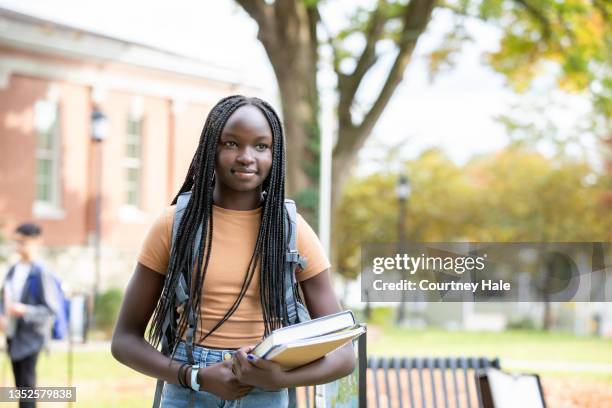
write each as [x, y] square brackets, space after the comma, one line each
[257, 9]
[262, 13]
[602, 9]
[314, 18]
[332, 44]
[415, 20]
[368, 56]
[460, 11]
[538, 15]
[348, 84]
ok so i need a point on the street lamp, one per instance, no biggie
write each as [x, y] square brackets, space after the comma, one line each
[99, 132]
[402, 190]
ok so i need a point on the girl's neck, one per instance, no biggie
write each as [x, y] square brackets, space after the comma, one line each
[236, 200]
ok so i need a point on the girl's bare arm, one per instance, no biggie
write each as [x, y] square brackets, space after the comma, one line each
[321, 301]
[129, 346]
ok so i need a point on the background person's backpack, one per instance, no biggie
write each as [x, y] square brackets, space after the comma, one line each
[62, 316]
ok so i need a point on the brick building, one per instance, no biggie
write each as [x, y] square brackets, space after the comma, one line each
[52, 79]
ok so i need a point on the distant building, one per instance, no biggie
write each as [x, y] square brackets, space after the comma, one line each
[53, 78]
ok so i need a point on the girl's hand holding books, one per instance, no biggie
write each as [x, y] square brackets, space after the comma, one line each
[221, 381]
[257, 372]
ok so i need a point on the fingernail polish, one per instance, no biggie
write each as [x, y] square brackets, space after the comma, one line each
[250, 357]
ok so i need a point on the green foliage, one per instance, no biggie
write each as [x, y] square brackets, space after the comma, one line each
[311, 162]
[106, 309]
[525, 323]
[574, 35]
[569, 40]
[444, 58]
[366, 214]
[382, 316]
[307, 202]
[510, 196]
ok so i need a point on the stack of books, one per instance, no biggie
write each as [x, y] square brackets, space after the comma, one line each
[302, 343]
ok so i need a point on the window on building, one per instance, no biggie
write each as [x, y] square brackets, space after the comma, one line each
[133, 161]
[46, 117]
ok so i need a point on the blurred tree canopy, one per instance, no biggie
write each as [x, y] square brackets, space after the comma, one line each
[510, 196]
[570, 40]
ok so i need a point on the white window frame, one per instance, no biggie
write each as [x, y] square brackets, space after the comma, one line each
[51, 208]
[132, 211]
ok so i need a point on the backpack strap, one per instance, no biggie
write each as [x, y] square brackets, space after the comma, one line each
[7, 279]
[296, 312]
[33, 285]
[182, 295]
[292, 260]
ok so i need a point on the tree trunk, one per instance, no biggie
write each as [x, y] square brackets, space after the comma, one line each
[287, 30]
[352, 135]
[298, 117]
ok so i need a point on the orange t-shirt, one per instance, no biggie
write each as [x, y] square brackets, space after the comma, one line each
[234, 237]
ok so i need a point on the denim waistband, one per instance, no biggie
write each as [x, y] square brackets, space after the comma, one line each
[203, 355]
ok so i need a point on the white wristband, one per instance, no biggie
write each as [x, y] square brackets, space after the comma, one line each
[194, 377]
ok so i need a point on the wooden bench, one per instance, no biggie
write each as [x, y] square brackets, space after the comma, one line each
[425, 382]
[402, 382]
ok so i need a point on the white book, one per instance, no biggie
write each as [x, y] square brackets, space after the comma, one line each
[313, 328]
[301, 352]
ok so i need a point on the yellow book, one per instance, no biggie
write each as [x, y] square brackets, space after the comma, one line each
[298, 353]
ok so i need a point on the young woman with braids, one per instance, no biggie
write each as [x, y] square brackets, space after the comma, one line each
[237, 184]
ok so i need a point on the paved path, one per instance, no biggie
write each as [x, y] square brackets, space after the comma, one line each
[544, 365]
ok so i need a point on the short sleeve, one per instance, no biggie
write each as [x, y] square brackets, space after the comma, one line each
[310, 247]
[155, 249]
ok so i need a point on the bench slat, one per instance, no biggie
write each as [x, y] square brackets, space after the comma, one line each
[385, 367]
[375, 379]
[395, 362]
[465, 366]
[431, 365]
[419, 367]
[442, 368]
[453, 366]
[407, 364]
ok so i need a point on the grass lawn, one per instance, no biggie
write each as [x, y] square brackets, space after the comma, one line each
[520, 345]
[102, 382]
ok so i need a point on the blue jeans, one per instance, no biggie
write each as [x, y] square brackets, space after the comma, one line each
[175, 396]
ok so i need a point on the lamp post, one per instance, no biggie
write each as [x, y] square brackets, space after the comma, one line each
[402, 190]
[99, 132]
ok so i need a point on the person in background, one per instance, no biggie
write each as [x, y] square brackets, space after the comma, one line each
[28, 306]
